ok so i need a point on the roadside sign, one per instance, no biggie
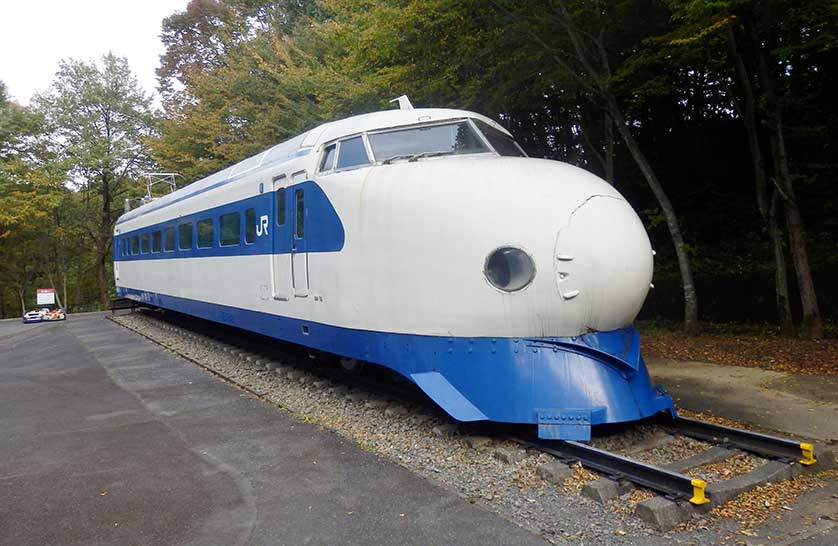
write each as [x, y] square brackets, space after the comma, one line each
[46, 296]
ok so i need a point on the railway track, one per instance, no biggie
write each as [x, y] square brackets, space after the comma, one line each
[785, 457]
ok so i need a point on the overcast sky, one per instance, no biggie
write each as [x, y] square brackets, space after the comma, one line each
[35, 35]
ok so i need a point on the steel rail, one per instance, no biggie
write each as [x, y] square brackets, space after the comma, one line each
[672, 484]
[746, 440]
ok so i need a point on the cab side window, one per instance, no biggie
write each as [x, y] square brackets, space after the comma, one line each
[353, 153]
[328, 160]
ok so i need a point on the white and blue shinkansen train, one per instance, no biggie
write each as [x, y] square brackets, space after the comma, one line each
[426, 241]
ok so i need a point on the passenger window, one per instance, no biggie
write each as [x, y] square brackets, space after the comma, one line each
[155, 241]
[280, 207]
[146, 246]
[169, 239]
[352, 153]
[300, 213]
[249, 226]
[135, 245]
[328, 160]
[205, 233]
[230, 226]
[184, 232]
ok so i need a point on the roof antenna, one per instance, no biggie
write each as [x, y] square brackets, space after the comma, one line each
[404, 102]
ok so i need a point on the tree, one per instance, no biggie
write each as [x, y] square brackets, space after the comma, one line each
[98, 119]
[244, 83]
[771, 42]
[30, 189]
[21, 155]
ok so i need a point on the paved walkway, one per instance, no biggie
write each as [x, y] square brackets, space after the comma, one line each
[806, 406]
[108, 439]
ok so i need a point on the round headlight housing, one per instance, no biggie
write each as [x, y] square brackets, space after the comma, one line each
[509, 269]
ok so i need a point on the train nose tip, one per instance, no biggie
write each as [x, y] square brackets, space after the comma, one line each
[603, 264]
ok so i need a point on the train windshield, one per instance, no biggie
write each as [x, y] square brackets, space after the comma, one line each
[427, 141]
[500, 141]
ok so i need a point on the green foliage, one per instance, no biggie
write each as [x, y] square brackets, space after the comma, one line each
[238, 76]
[240, 95]
[97, 121]
[30, 191]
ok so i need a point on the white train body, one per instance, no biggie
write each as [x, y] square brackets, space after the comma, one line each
[439, 263]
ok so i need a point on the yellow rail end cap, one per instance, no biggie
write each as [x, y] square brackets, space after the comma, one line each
[808, 453]
[699, 497]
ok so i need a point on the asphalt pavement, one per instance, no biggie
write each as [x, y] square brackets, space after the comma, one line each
[108, 439]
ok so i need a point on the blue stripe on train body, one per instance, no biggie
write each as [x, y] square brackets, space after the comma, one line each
[564, 385]
[326, 234]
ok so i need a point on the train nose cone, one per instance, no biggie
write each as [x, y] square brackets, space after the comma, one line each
[603, 265]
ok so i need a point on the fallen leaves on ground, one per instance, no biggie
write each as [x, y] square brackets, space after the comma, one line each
[710, 418]
[780, 354]
[680, 447]
[580, 477]
[628, 503]
[755, 507]
[735, 465]
[527, 476]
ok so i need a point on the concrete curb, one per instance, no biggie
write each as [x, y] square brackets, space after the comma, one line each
[663, 514]
[772, 471]
[604, 489]
[708, 456]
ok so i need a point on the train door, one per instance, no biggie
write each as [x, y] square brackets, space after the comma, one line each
[281, 263]
[117, 243]
[299, 250]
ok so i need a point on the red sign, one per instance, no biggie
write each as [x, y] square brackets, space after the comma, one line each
[46, 296]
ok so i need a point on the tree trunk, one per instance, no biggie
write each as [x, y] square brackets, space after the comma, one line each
[767, 211]
[691, 325]
[609, 149]
[21, 292]
[812, 325]
[52, 284]
[80, 274]
[64, 291]
[104, 237]
[781, 283]
[102, 274]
